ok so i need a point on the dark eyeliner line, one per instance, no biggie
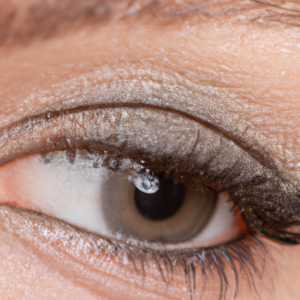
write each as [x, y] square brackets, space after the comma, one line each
[254, 150]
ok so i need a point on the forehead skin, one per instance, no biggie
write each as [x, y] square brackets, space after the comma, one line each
[232, 64]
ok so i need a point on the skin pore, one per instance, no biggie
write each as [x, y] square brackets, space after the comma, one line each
[232, 66]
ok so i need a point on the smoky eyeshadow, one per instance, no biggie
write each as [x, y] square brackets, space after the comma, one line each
[181, 148]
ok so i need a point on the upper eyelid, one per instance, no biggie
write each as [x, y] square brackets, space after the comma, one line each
[227, 96]
[208, 99]
[254, 150]
[161, 81]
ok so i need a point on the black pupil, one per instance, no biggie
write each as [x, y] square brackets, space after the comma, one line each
[162, 204]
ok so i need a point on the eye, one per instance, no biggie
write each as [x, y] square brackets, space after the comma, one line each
[129, 203]
[156, 184]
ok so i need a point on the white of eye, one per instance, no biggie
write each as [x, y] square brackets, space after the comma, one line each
[100, 201]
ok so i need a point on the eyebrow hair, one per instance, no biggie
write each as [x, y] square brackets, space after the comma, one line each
[22, 21]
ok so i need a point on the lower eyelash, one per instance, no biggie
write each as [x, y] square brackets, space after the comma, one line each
[248, 256]
[226, 264]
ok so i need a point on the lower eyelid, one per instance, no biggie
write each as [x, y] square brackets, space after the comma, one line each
[102, 266]
[97, 263]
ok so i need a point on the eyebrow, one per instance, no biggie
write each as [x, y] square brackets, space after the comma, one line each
[22, 21]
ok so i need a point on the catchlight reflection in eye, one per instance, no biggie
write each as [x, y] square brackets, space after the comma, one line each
[129, 204]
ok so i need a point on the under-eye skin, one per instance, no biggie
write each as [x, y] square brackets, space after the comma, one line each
[202, 269]
[185, 151]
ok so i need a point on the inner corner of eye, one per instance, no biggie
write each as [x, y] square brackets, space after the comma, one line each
[120, 199]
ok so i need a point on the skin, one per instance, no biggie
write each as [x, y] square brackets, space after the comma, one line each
[237, 72]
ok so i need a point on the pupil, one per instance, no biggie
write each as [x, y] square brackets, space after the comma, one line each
[162, 204]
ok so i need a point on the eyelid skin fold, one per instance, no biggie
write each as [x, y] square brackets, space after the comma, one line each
[177, 145]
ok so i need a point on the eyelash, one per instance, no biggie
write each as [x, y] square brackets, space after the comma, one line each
[242, 256]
